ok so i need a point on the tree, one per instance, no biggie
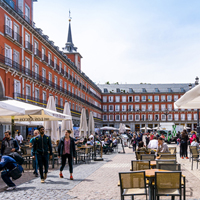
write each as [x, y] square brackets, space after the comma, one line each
[108, 83]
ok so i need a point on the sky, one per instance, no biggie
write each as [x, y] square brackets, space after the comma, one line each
[128, 41]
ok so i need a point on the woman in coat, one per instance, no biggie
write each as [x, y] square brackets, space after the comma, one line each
[66, 150]
[184, 145]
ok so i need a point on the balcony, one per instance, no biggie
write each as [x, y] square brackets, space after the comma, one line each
[50, 63]
[28, 46]
[14, 7]
[44, 58]
[12, 35]
[56, 67]
[37, 53]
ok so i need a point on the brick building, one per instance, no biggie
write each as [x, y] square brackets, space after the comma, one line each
[137, 105]
[32, 68]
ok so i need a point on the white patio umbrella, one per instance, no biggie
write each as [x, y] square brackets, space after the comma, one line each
[108, 128]
[51, 127]
[67, 125]
[145, 128]
[83, 124]
[190, 100]
[91, 124]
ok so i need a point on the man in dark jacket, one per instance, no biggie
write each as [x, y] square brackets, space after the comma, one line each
[8, 163]
[9, 144]
[41, 146]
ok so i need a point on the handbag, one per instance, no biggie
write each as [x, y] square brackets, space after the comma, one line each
[15, 173]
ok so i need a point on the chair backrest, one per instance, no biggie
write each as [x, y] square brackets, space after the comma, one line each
[168, 180]
[147, 157]
[130, 180]
[168, 157]
[138, 153]
[165, 162]
[137, 165]
[195, 153]
[163, 153]
[192, 147]
[172, 150]
[171, 167]
[28, 151]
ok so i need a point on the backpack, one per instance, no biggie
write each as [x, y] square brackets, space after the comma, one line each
[15, 173]
[18, 158]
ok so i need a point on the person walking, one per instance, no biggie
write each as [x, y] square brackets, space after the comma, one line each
[66, 150]
[35, 161]
[19, 138]
[184, 145]
[9, 144]
[41, 146]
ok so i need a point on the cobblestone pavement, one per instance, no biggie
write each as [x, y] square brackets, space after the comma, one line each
[97, 180]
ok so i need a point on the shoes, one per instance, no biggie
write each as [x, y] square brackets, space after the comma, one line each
[71, 178]
[61, 175]
[187, 158]
[34, 172]
[36, 175]
[182, 158]
[11, 188]
[45, 176]
[42, 180]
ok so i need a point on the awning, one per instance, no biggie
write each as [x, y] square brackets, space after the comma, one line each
[33, 113]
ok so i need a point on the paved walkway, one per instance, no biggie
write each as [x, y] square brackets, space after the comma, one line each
[97, 180]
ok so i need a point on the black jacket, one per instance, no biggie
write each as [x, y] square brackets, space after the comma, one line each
[61, 147]
[41, 145]
[11, 143]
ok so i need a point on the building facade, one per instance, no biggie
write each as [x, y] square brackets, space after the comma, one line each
[32, 68]
[140, 105]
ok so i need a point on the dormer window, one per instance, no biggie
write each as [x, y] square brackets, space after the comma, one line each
[182, 90]
[105, 90]
[118, 90]
[130, 90]
[144, 90]
[169, 89]
[156, 90]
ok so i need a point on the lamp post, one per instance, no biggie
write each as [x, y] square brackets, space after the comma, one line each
[166, 113]
[198, 128]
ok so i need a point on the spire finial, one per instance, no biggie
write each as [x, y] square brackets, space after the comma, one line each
[70, 15]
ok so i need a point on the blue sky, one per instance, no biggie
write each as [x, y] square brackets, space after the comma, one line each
[128, 41]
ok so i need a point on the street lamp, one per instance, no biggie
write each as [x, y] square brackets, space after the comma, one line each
[166, 113]
[198, 128]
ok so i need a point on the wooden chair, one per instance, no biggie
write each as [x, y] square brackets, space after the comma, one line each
[168, 184]
[147, 157]
[132, 184]
[139, 165]
[194, 156]
[168, 157]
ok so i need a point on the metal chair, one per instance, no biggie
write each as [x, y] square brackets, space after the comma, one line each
[140, 165]
[147, 157]
[168, 184]
[138, 153]
[194, 157]
[165, 162]
[169, 166]
[132, 184]
[168, 157]
[191, 147]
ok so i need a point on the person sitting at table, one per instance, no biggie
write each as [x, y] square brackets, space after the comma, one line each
[162, 146]
[114, 142]
[195, 143]
[85, 141]
[90, 142]
[162, 136]
[153, 144]
[141, 147]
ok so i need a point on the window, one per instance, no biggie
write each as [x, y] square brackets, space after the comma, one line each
[65, 86]
[130, 107]
[27, 13]
[182, 116]
[61, 102]
[15, 58]
[65, 69]
[156, 98]
[156, 117]
[169, 98]
[143, 107]
[130, 90]
[56, 101]
[8, 27]
[130, 99]
[156, 90]
[8, 56]
[55, 62]
[123, 107]
[163, 117]
[104, 117]
[27, 66]
[150, 98]
[104, 108]
[175, 97]
[123, 98]
[117, 108]
[137, 117]
[176, 117]
[137, 107]
[16, 32]
[55, 81]
[20, 5]
[50, 78]
[36, 71]
[110, 107]
[118, 90]
[123, 117]
[77, 108]
[150, 117]
[156, 106]
[189, 117]
[111, 117]
[43, 53]
[169, 89]
[169, 117]
[27, 41]
[144, 90]
[169, 107]
[105, 90]
[60, 66]
[117, 117]
[117, 99]
[195, 116]
[105, 99]
[149, 107]
[162, 98]
[143, 117]
[36, 48]
[163, 107]
[44, 96]
[49, 58]
[68, 73]
[110, 98]
[61, 84]
[143, 98]
[130, 117]
[17, 88]
[137, 98]
[37, 94]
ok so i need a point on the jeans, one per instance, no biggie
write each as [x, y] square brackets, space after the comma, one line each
[70, 162]
[43, 160]
[6, 178]
[35, 164]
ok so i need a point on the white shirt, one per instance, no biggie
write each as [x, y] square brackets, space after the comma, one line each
[195, 144]
[19, 138]
[153, 144]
